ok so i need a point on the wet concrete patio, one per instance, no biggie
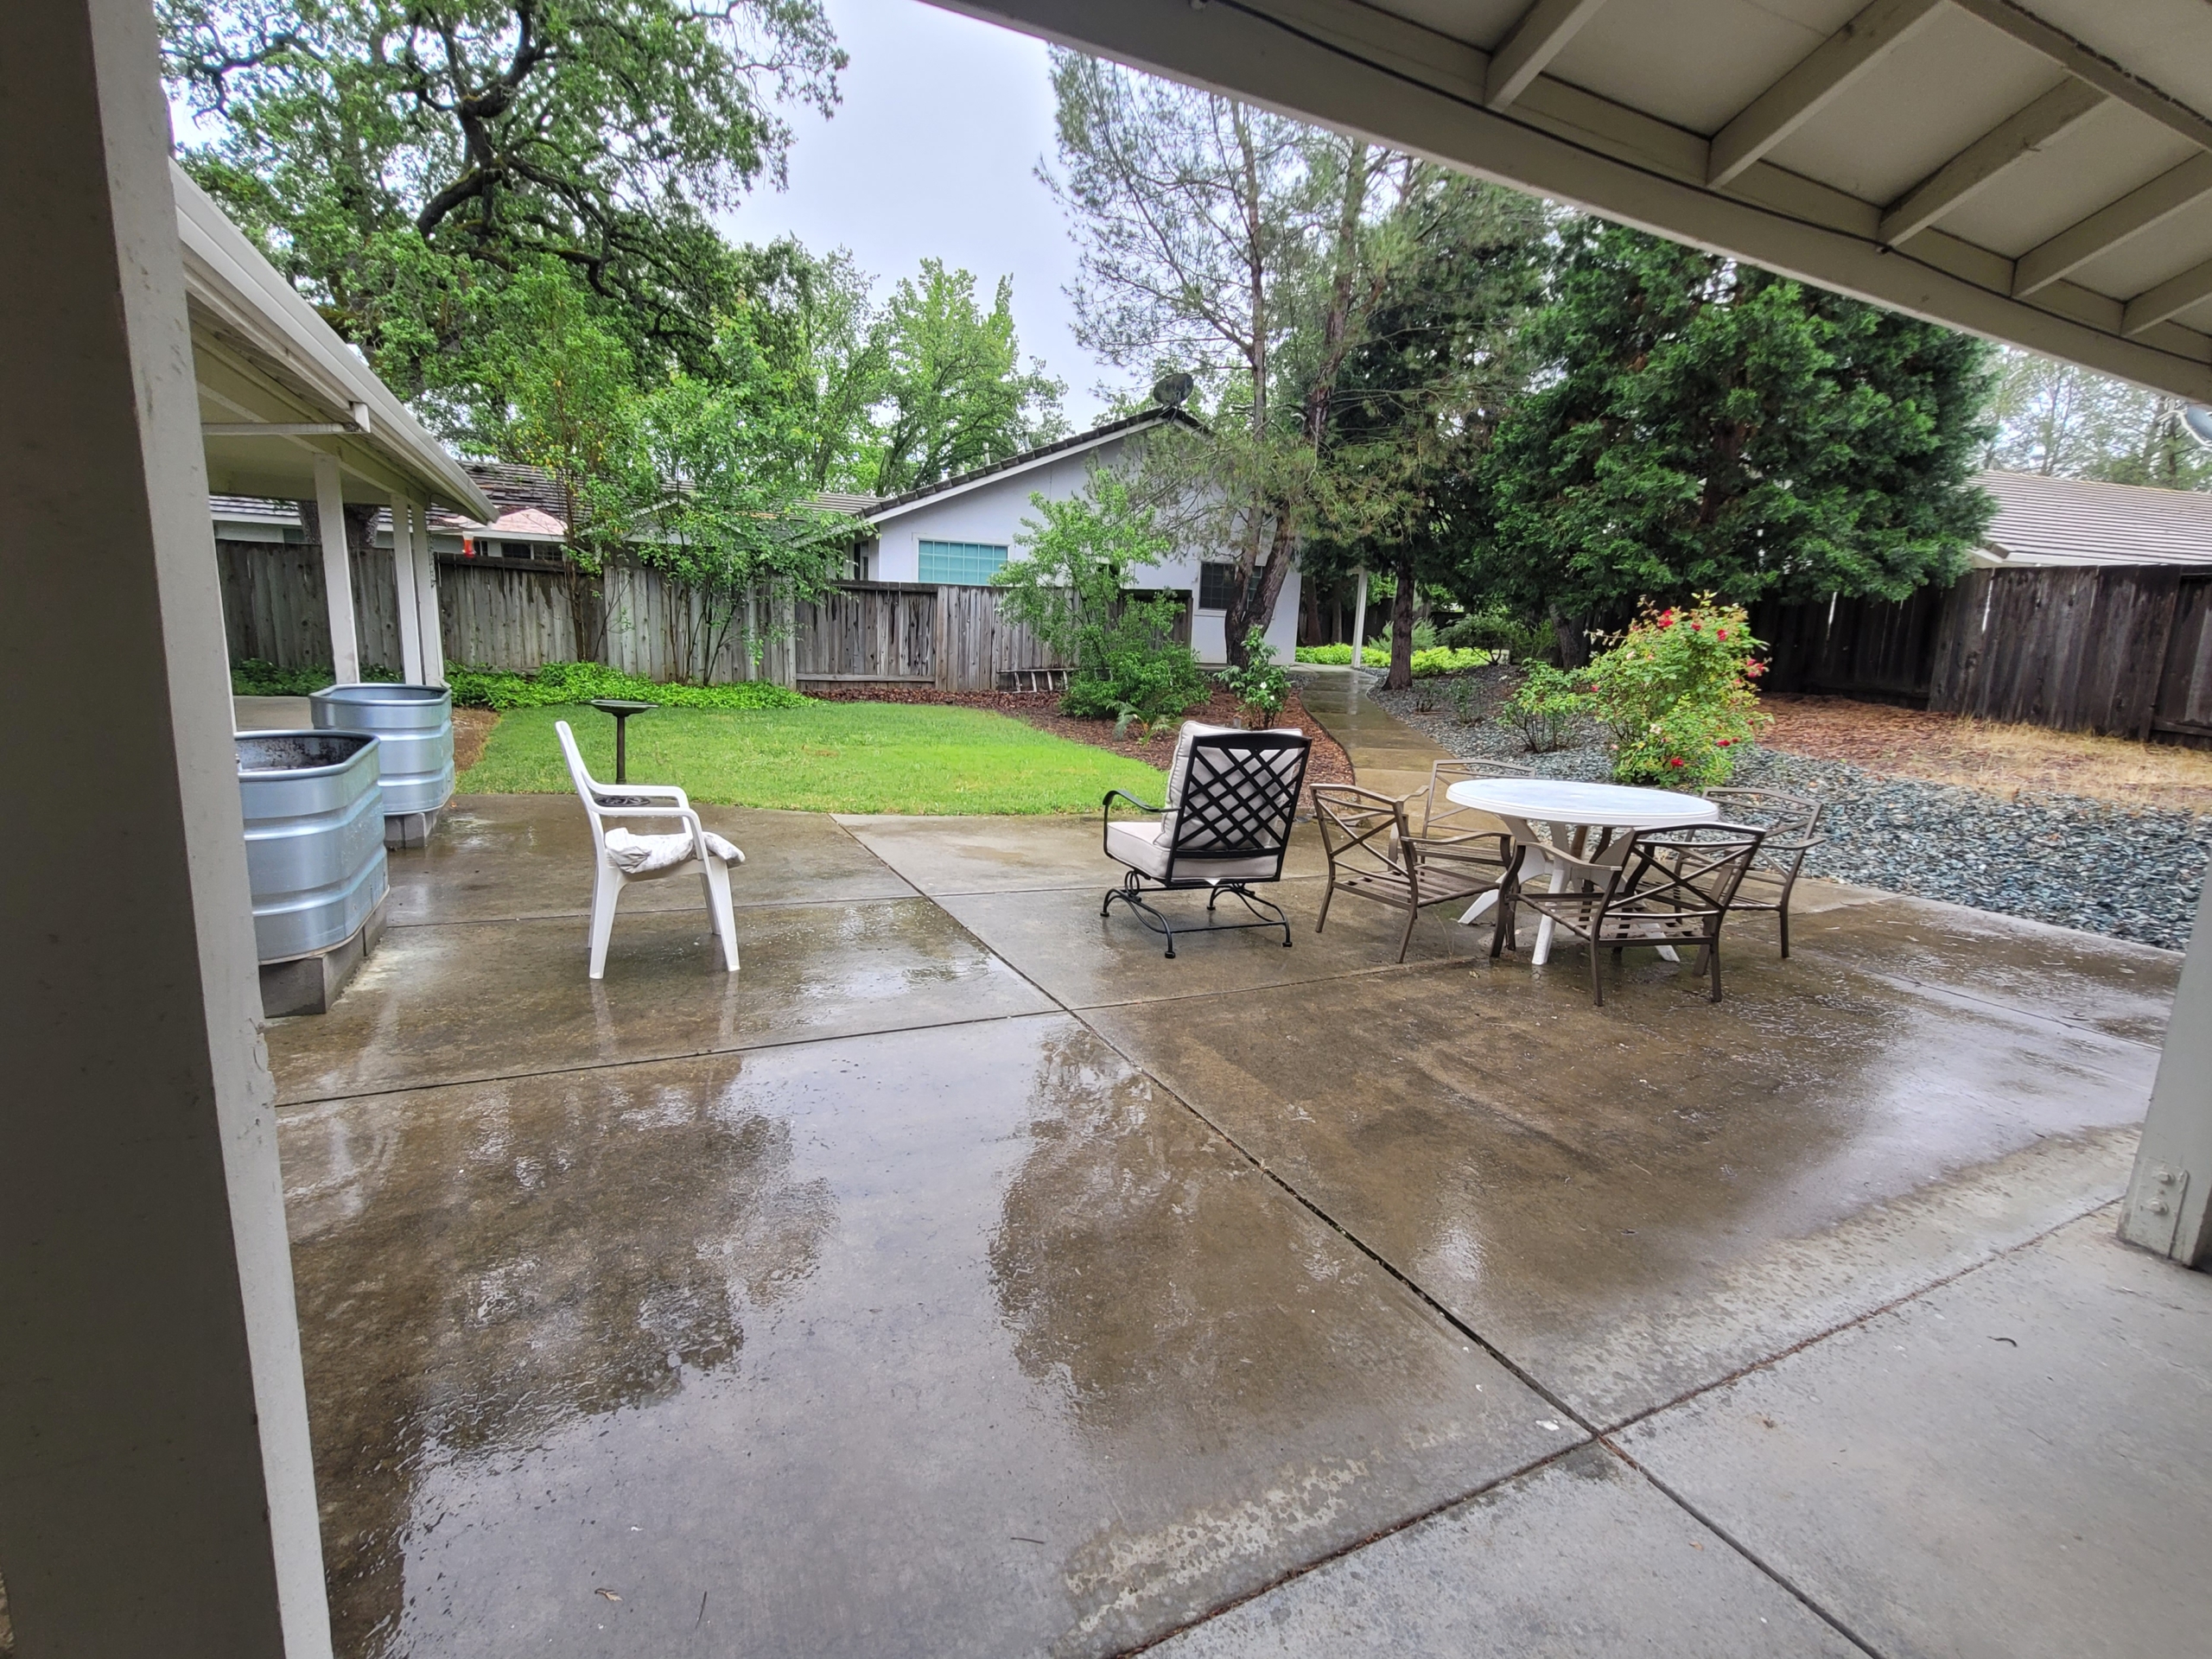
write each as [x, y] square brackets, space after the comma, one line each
[961, 1276]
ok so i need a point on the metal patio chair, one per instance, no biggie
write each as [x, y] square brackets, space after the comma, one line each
[1655, 886]
[1373, 854]
[1232, 796]
[1790, 822]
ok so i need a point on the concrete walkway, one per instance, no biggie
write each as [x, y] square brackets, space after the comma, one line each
[1387, 755]
[963, 1277]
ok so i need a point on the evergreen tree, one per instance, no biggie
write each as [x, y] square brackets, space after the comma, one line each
[1708, 427]
[1417, 402]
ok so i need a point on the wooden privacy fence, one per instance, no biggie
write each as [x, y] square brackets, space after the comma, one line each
[503, 615]
[2121, 649]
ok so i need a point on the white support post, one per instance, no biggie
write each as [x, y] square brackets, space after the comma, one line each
[337, 573]
[429, 629]
[157, 1479]
[403, 576]
[1359, 621]
[2168, 1206]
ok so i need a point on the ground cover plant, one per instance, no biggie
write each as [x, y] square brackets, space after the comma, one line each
[252, 678]
[577, 682]
[821, 757]
[1426, 665]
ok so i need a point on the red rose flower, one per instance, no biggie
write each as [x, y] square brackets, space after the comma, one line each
[1722, 742]
[1676, 761]
[1723, 633]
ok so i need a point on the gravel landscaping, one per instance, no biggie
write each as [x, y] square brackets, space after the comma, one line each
[2133, 873]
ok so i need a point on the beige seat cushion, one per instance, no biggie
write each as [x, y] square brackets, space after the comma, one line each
[1143, 845]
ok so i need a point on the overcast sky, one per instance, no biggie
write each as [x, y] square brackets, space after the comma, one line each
[934, 150]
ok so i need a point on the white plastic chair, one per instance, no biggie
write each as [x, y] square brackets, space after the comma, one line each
[707, 854]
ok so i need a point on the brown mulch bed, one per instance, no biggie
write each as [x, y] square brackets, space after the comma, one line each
[1328, 764]
[1987, 755]
[472, 729]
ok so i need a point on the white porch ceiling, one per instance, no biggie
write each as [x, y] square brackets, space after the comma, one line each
[2037, 172]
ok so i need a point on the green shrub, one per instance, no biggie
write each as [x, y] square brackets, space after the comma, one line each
[558, 683]
[1544, 708]
[252, 678]
[1676, 694]
[1329, 656]
[1498, 630]
[1260, 687]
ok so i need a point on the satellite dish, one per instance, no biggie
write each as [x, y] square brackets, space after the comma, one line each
[2198, 420]
[1172, 391]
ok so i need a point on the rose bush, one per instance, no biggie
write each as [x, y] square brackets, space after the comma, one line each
[1677, 694]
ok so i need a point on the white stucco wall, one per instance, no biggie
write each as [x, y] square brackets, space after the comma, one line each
[992, 511]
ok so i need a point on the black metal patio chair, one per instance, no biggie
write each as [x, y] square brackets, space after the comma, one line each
[1232, 796]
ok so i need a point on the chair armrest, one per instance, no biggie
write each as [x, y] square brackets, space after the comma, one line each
[1106, 804]
[1801, 844]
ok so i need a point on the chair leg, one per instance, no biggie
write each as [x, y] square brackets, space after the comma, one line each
[1782, 920]
[606, 885]
[1406, 939]
[1597, 977]
[718, 906]
[1713, 961]
[1504, 931]
[1327, 893]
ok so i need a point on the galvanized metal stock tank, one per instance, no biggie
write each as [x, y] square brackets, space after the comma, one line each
[314, 837]
[414, 725]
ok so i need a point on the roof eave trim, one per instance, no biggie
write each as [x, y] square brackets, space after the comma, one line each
[222, 267]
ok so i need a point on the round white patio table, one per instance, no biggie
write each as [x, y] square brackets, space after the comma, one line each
[1577, 807]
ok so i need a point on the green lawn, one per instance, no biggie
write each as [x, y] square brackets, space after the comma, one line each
[826, 757]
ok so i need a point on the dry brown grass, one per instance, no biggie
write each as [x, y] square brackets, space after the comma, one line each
[1982, 754]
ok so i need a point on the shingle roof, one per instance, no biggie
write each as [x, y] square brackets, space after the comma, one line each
[2073, 521]
[1080, 440]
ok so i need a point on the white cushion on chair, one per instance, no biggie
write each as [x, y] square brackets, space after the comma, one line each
[1143, 845]
[636, 854]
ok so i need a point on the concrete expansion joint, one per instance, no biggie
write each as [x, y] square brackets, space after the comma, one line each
[764, 1045]
[1767, 1363]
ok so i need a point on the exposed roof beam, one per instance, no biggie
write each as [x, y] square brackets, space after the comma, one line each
[2099, 71]
[2175, 293]
[2019, 135]
[1801, 94]
[2145, 205]
[1536, 41]
[2000, 147]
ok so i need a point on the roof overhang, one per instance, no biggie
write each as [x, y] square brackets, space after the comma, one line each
[2039, 175]
[263, 357]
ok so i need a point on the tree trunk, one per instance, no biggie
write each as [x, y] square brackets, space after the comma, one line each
[1573, 635]
[1402, 630]
[1253, 605]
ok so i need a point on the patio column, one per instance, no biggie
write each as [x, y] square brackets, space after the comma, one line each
[337, 572]
[2168, 1206]
[429, 630]
[156, 1492]
[409, 615]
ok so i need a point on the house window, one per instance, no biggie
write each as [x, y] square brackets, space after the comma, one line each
[968, 563]
[1216, 584]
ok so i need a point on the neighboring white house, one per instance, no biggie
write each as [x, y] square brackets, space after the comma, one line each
[960, 530]
[2075, 521]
